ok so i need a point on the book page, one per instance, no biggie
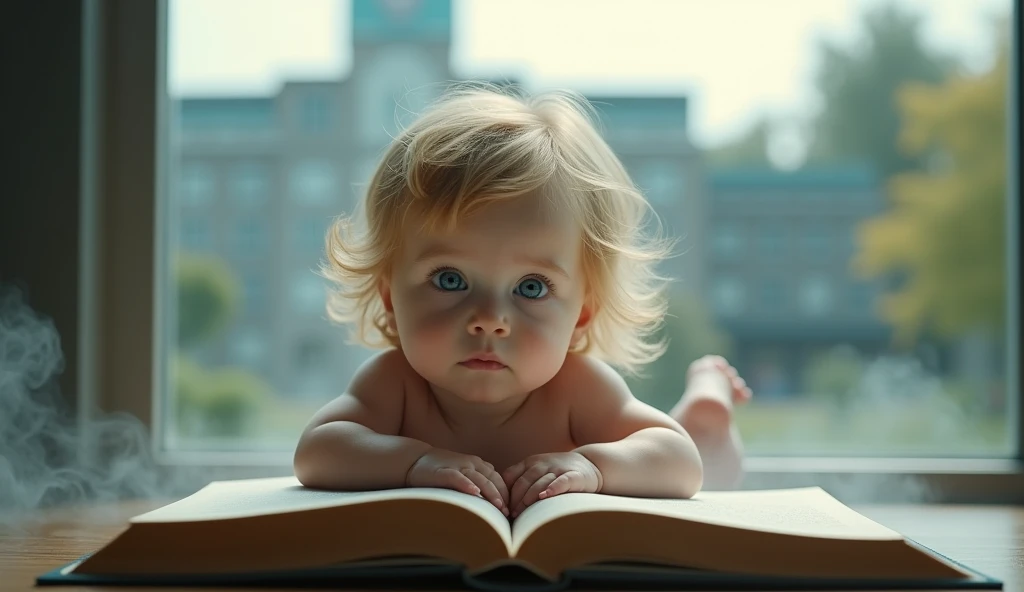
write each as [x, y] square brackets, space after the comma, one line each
[244, 498]
[804, 512]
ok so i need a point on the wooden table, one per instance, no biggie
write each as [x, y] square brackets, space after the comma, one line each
[987, 538]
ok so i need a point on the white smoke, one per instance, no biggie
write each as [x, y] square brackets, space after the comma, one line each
[46, 457]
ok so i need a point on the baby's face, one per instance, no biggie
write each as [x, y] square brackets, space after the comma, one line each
[489, 311]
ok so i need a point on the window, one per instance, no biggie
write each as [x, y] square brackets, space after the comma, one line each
[251, 236]
[816, 297]
[770, 240]
[863, 298]
[308, 294]
[773, 296]
[728, 241]
[728, 178]
[727, 296]
[195, 234]
[818, 240]
[250, 184]
[310, 234]
[316, 114]
[197, 184]
[661, 181]
[254, 295]
[312, 182]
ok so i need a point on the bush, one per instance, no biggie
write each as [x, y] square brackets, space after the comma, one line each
[221, 403]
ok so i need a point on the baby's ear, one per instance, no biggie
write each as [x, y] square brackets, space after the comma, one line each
[384, 289]
[584, 320]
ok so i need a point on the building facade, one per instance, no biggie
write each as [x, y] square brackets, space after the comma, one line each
[259, 180]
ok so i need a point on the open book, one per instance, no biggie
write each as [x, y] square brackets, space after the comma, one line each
[277, 531]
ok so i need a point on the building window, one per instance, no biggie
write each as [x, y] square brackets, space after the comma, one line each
[727, 296]
[251, 236]
[661, 181]
[254, 294]
[770, 240]
[816, 296]
[197, 184]
[195, 234]
[308, 294]
[863, 297]
[727, 241]
[773, 295]
[315, 113]
[312, 182]
[310, 233]
[817, 241]
[250, 184]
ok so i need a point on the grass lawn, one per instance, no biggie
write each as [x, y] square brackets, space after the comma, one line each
[797, 427]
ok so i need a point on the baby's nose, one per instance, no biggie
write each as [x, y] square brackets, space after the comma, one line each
[488, 322]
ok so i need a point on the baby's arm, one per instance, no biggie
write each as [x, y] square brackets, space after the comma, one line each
[638, 450]
[352, 442]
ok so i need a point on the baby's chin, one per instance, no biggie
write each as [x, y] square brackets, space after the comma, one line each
[485, 387]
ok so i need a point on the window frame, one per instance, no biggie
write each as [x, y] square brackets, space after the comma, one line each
[123, 269]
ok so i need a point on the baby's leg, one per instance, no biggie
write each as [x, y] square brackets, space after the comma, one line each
[706, 412]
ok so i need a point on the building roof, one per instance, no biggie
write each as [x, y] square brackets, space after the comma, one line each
[836, 177]
[231, 113]
[661, 113]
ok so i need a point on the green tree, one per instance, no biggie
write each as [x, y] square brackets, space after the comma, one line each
[221, 403]
[945, 229]
[691, 334]
[207, 297]
[210, 403]
[859, 120]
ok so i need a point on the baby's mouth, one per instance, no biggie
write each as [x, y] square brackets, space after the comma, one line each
[483, 362]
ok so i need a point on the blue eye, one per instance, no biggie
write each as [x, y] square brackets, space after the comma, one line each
[449, 281]
[532, 288]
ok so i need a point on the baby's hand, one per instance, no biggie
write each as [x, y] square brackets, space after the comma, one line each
[461, 472]
[545, 475]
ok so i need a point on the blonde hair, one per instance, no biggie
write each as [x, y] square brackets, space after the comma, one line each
[478, 144]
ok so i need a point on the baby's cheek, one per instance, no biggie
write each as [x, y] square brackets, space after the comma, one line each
[546, 345]
[430, 335]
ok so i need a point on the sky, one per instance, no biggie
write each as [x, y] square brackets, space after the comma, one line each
[734, 59]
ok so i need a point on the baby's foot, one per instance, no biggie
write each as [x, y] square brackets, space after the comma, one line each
[706, 412]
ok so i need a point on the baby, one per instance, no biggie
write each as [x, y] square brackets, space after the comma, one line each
[502, 264]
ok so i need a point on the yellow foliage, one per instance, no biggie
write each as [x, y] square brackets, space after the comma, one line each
[945, 228]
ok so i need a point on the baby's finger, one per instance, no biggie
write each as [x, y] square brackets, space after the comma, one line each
[562, 484]
[454, 479]
[487, 489]
[512, 474]
[531, 494]
[524, 482]
[499, 484]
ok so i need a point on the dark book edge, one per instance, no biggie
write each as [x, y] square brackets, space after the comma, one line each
[450, 576]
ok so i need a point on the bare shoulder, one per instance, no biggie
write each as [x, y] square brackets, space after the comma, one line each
[375, 397]
[602, 407]
[582, 377]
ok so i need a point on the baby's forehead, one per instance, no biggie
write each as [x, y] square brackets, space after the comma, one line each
[522, 236]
